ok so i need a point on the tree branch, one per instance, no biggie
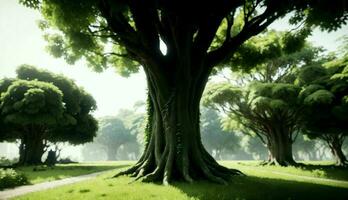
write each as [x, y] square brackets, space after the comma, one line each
[251, 28]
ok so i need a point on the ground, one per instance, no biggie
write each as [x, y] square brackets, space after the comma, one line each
[61, 171]
[261, 182]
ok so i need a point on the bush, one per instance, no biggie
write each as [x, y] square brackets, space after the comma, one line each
[10, 178]
[66, 160]
[7, 162]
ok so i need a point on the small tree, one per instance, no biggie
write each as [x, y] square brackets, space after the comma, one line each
[40, 106]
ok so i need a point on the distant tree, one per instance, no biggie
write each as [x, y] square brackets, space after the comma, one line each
[40, 107]
[270, 110]
[119, 137]
[120, 33]
[214, 138]
[252, 146]
[93, 151]
[262, 96]
[305, 149]
[113, 135]
[326, 99]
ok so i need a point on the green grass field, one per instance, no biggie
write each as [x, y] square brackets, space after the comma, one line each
[61, 171]
[261, 182]
[319, 169]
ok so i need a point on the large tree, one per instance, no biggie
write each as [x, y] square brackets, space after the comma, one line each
[272, 111]
[326, 100]
[40, 107]
[30, 107]
[119, 33]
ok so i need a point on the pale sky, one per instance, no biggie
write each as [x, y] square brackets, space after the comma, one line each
[21, 42]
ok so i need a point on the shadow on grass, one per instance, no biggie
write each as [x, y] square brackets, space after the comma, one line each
[84, 190]
[251, 187]
[327, 171]
[319, 170]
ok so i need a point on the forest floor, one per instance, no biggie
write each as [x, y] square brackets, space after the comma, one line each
[316, 181]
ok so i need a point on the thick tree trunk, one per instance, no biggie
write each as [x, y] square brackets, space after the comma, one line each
[174, 149]
[31, 149]
[280, 149]
[335, 144]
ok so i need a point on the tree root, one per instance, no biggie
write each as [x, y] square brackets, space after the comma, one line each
[146, 171]
[343, 164]
[274, 162]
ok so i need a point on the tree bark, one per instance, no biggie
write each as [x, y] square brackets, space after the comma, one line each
[31, 149]
[174, 149]
[335, 143]
[280, 148]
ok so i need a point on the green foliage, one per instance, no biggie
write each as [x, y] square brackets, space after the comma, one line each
[113, 133]
[117, 138]
[275, 94]
[221, 94]
[324, 95]
[83, 131]
[40, 105]
[272, 47]
[273, 57]
[7, 162]
[32, 102]
[312, 74]
[11, 178]
[82, 29]
[321, 97]
[258, 109]
[75, 98]
[326, 14]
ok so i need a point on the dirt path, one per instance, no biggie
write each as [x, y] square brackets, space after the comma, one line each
[21, 190]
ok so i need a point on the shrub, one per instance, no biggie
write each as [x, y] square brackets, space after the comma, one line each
[11, 178]
[66, 160]
[7, 162]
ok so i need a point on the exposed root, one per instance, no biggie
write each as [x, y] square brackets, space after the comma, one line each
[283, 163]
[342, 164]
[164, 171]
[181, 159]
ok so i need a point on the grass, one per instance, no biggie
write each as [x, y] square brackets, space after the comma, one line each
[318, 169]
[260, 183]
[62, 171]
